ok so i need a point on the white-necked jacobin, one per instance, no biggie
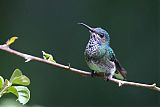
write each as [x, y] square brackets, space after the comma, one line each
[100, 56]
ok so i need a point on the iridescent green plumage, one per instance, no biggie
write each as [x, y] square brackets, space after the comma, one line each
[100, 56]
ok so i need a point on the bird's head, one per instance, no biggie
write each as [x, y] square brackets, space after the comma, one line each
[98, 33]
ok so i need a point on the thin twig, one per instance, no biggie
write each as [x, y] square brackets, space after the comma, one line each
[28, 58]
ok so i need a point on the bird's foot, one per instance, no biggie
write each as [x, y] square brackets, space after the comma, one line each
[93, 74]
[107, 76]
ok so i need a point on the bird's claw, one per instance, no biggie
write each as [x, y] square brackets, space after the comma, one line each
[108, 76]
[92, 73]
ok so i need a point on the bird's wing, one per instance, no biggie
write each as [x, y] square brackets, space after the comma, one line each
[119, 68]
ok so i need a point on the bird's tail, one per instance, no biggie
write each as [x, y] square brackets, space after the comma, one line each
[120, 75]
[121, 72]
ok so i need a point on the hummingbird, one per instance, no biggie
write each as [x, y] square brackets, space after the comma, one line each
[100, 57]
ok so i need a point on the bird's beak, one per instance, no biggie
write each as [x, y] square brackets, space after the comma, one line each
[88, 27]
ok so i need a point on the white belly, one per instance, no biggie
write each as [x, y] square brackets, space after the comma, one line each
[99, 66]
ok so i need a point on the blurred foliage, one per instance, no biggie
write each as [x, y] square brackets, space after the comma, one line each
[12, 103]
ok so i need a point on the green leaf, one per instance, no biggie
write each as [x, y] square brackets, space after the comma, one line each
[11, 40]
[21, 92]
[1, 81]
[18, 78]
[7, 83]
[5, 86]
[21, 80]
[13, 90]
[15, 74]
[48, 56]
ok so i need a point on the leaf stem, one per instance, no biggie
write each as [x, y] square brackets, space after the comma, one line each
[5, 87]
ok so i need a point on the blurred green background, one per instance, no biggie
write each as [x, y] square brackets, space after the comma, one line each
[51, 25]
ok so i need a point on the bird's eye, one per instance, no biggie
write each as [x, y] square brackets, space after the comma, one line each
[101, 35]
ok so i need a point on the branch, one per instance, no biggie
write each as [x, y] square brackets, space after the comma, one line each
[28, 58]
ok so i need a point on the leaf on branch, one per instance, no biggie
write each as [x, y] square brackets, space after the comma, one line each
[21, 92]
[1, 82]
[18, 78]
[48, 56]
[11, 40]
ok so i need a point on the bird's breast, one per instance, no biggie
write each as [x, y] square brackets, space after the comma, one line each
[92, 49]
